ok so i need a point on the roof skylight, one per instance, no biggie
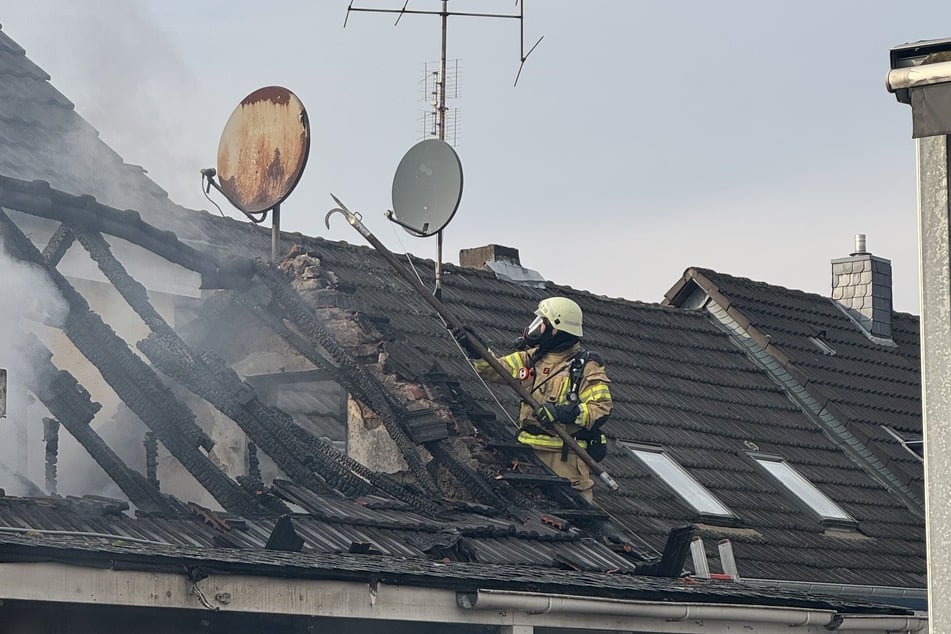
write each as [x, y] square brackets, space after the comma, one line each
[678, 479]
[802, 488]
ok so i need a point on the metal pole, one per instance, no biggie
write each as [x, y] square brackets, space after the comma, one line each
[275, 232]
[457, 326]
[441, 129]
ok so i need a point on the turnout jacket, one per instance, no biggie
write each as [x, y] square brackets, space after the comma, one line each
[549, 381]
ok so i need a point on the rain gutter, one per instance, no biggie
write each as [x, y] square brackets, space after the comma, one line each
[535, 604]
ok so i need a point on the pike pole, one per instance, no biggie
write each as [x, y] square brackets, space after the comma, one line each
[457, 326]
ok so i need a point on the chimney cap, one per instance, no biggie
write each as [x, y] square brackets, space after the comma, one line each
[860, 245]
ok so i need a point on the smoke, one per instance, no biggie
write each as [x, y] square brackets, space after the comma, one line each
[32, 304]
[125, 79]
[29, 299]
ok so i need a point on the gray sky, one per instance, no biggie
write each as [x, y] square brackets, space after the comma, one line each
[754, 138]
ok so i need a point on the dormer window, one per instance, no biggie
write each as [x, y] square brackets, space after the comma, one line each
[679, 479]
[803, 489]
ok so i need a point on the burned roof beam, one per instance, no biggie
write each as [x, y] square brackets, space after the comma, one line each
[218, 384]
[70, 403]
[381, 481]
[352, 375]
[225, 391]
[58, 244]
[37, 198]
[133, 381]
[473, 481]
[212, 381]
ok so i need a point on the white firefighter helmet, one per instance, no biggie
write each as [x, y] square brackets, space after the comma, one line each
[562, 313]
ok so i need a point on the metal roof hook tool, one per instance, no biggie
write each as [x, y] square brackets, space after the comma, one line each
[457, 326]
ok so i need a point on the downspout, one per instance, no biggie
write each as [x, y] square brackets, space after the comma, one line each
[530, 603]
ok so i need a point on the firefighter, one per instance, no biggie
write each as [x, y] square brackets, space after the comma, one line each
[569, 382]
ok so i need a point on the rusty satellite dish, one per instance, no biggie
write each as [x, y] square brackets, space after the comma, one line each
[427, 188]
[263, 149]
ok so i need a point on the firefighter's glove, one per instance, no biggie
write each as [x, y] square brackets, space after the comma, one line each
[549, 414]
[464, 337]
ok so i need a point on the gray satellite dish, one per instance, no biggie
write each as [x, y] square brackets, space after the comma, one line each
[427, 188]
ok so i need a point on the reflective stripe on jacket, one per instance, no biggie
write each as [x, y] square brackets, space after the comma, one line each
[550, 383]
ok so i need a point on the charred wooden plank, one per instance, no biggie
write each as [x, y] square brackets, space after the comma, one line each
[51, 440]
[214, 382]
[150, 442]
[474, 482]
[58, 245]
[379, 480]
[221, 386]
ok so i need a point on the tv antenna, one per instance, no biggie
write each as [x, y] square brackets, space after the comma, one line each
[441, 96]
[432, 83]
[261, 156]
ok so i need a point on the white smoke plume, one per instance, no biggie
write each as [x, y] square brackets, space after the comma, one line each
[28, 299]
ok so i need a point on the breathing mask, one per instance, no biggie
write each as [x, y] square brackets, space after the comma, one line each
[536, 332]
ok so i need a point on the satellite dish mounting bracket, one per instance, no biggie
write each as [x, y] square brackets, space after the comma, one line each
[208, 175]
[413, 230]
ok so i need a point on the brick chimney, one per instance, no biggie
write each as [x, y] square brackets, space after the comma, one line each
[503, 261]
[862, 285]
[479, 257]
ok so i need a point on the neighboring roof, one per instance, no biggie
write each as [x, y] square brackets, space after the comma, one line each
[857, 386]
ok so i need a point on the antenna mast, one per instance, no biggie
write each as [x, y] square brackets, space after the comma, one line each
[441, 85]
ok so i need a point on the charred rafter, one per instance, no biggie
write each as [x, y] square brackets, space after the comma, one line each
[51, 440]
[84, 213]
[150, 443]
[69, 402]
[134, 382]
[267, 426]
[379, 480]
[353, 376]
[58, 245]
[472, 480]
[219, 385]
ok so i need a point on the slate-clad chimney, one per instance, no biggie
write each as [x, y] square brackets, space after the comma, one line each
[862, 285]
[503, 261]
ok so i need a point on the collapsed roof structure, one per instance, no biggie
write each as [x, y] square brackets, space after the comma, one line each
[312, 422]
